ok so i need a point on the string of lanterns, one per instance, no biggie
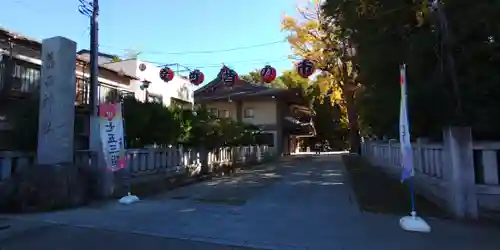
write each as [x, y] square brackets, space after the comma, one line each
[229, 77]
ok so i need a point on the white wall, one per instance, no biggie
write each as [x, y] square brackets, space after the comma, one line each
[179, 87]
[130, 67]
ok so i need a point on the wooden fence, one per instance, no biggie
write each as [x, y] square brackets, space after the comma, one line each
[460, 175]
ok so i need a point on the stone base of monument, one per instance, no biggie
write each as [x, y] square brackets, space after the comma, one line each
[128, 199]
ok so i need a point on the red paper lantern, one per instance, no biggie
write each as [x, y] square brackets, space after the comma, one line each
[196, 77]
[305, 68]
[167, 74]
[268, 74]
[228, 76]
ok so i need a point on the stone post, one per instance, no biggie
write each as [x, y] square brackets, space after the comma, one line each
[419, 161]
[390, 154]
[203, 160]
[367, 154]
[182, 157]
[363, 146]
[459, 172]
[57, 102]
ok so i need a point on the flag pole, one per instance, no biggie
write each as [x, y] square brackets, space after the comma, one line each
[129, 198]
[411, 222]
[411, 181]
[412, 196]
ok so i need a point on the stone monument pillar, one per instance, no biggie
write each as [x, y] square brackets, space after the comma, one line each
[57, 102]
[459, 172]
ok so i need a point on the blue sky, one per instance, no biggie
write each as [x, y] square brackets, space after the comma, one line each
[157, 28]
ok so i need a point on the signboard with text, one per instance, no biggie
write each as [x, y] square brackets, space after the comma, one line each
[112, 135]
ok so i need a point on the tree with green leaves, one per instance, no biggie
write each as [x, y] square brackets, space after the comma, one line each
[317, 37]
[451, 55]
[152, 123]
[252, 77]
[291, 79]
[329, 116]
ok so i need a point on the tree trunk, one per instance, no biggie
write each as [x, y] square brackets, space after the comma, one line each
[352, 116]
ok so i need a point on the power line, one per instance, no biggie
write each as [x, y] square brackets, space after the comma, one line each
[199, 51]
[188, 68]
[205, 51]
[214, 65]
[86, 11]
[207, 65]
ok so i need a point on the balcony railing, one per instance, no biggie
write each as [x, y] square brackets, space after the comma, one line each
[105, 92]
[25, 77]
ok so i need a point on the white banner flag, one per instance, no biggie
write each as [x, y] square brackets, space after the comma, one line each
[112, 135]
[404, 131]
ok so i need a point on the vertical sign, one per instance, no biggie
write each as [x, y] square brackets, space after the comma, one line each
[112, 135]
[57, 102]
[404, 130]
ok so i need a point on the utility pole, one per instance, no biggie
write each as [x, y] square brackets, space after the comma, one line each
[94, 140]
[91, 10]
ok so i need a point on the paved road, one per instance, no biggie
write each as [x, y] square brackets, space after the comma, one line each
[304, 202]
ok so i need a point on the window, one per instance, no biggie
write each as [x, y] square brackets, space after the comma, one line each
[154, 98]
[225, 114]
[248, 113]
[124, 94]
[107, 93]
[25, 77]
[183, 93]
[175, 102]
[82, 91]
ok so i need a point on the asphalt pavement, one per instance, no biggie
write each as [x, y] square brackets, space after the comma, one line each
[302, 202]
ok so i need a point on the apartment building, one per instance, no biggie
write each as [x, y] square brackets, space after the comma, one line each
[179, 91]
[20, 71]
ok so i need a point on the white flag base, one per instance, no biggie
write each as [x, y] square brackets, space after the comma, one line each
[414, 223]
[128, 199]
